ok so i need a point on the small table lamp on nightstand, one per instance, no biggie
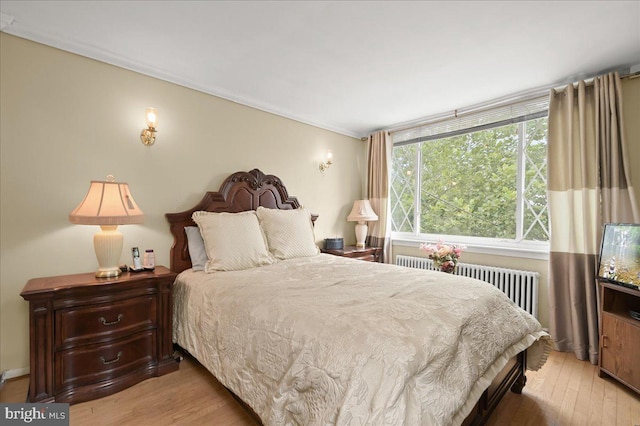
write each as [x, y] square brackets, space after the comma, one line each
[107, 204]
[361, 212]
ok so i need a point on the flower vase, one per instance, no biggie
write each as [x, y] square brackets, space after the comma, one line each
[447, 266]
[444, 256]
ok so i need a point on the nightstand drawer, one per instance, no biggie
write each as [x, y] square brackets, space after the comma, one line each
[92, 324]
[93, 363]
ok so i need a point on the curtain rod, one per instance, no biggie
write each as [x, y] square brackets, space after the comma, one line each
[519, 96]
[590, 81]
[528, 94]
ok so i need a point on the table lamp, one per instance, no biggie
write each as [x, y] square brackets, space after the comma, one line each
[361, 212]
[107, 204]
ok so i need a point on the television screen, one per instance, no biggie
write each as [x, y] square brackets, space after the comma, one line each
[620, 254]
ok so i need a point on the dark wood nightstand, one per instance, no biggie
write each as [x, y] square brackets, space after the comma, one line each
[369, 254]
[91, 337]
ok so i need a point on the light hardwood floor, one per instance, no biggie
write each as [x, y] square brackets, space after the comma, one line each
[564, 392]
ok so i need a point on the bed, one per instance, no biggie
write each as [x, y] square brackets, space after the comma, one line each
[301, 337]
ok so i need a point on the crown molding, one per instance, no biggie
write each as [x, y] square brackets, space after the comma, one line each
[103, 55]
[5, 20]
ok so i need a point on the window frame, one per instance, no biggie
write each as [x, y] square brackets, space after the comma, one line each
[493, 246]
[517, 247]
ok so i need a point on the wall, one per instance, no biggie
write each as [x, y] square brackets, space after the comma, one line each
[631, 109]
[67, 120]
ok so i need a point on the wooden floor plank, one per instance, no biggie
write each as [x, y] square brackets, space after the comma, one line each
[627, 411]
[560, 390]
[555, 364]
[554, 396]
[505, 412]
[596, 399]
[635, 411]
[14, 390]
[609, 403]
[189, 396]
[581, 412]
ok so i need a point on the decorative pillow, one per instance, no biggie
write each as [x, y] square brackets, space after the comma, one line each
[289, 232]
[233, 241]
[197, 252]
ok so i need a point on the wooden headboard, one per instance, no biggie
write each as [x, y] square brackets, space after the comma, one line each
[240, 192]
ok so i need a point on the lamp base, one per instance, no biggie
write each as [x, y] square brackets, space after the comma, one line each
[108, 273]
[361, 234]
[108, 246]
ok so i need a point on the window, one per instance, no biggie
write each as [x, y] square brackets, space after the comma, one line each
[480, 176]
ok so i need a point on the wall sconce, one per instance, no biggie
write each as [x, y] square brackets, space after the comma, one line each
[325, 164]
[148, 135]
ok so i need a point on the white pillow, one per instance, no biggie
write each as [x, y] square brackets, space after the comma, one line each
[197, 252]
[233, 241]
[289, 232]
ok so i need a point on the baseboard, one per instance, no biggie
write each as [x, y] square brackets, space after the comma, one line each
[12, 374]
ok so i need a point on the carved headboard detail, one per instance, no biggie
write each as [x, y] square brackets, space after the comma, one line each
[240, 192]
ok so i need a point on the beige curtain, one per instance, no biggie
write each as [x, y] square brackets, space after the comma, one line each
[588, 181]
[378, 168]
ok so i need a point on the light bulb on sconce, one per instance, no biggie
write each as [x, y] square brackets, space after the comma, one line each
[325, 164]
[148, 135]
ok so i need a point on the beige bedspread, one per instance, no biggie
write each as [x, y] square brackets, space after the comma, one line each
[327, 340]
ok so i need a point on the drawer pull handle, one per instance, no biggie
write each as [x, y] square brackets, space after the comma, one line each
[104, 321]
[116, 359]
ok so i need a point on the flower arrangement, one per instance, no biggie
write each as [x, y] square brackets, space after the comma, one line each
[444, 256]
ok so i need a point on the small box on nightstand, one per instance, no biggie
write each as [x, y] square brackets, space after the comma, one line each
[333, 244]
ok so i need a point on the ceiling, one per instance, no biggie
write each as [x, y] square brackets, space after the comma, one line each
[351, 67]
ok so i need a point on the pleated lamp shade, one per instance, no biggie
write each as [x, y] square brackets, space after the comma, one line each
[107, 204]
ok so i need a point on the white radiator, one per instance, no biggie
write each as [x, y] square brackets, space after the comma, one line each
[519, 286]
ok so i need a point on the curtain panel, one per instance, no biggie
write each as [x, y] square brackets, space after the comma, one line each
[378, 167]
[588, 185]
